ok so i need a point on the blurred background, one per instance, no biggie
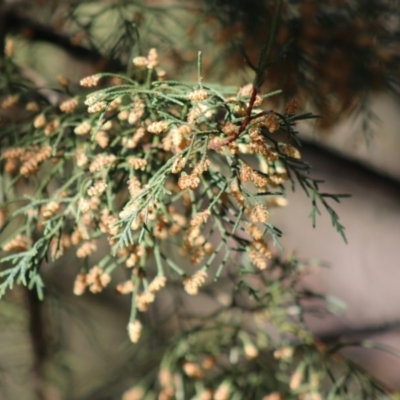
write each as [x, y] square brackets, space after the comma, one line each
[340, 59]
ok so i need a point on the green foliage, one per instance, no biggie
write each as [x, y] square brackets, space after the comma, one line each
[165, 181]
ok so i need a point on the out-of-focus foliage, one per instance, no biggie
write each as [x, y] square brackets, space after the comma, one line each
[331, 54]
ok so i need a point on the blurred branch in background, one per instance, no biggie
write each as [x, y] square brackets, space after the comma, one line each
[336, 53]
